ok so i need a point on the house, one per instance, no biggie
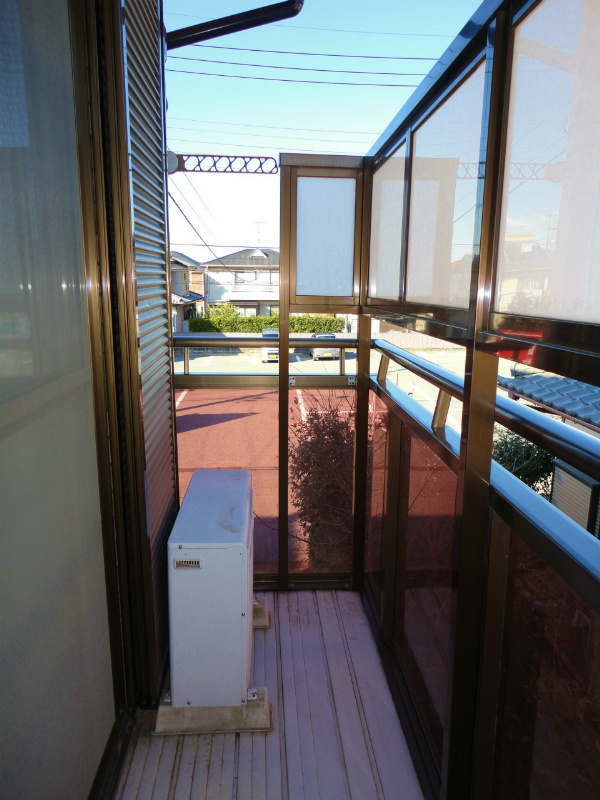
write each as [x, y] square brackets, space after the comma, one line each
[482, 599]
[247, 279]
[186, 276]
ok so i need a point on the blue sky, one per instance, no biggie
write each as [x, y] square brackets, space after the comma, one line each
[246, 115]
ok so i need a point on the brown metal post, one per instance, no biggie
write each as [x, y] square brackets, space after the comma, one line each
[481, 374]
[498, 577]
[284, 368]
[440, 413]
[361, 451]
[392, 499]
[383, 369]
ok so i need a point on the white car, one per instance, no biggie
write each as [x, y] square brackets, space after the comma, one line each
[269, 353]
[327, 351]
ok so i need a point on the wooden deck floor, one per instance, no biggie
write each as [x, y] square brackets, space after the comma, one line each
[336, 735]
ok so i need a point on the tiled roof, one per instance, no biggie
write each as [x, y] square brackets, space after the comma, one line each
[263, 257]
[181, 300]
[570, 398]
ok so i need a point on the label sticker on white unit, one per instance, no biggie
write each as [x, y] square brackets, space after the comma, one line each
[187, 563]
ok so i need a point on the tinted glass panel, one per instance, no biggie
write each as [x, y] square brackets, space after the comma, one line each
[548, 254]
[379, 423]
[424, 575]
[549, 718]
[445, 166]
[321, 479]
[234, 429]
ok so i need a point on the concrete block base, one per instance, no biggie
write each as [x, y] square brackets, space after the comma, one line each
[260, 613]
[253, 715]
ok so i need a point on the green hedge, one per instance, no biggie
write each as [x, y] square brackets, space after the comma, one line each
[225, 319]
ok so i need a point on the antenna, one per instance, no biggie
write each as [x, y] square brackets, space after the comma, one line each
[259, 223]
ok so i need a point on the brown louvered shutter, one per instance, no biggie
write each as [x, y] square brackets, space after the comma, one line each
[145, 109]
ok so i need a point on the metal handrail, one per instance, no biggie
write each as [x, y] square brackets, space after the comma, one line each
[224, 340]
[446, 381]
[575, 447]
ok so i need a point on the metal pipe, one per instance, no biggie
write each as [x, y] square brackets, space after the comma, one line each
[448, 381]
[573, 446]
[222, 340]
[233, 23]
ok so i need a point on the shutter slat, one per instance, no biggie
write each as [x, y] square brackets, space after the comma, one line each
[144, 77]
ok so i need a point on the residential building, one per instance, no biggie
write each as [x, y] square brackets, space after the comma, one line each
[187, 277]
[248, 280]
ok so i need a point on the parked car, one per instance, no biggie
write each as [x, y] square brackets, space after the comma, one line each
[327, 351]
[269, 353]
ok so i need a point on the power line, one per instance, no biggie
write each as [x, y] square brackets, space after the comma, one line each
[301, 69]
[274, 127]
[295, 80]
[226, 246]
[201, 142]
[271, 136]
[335, 30]
[186, 218]
[185, 175]
[192, 226]
[370, 33]
[200, 220]
[320, 55]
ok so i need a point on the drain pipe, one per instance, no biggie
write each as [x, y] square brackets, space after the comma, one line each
[233, 24]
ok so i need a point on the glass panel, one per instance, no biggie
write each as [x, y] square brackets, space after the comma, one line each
[424, 580]
[232, 360]
[547, 263]
[387, 208]
[321, 480]
[322, 360]
[437, 351]
[234, 429]
[55, 648]
[377, 472]
[549, 714]
[178, 360]
[325, 236]
[445, 165]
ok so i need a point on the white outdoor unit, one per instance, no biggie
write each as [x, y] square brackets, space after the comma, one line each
[210, 567]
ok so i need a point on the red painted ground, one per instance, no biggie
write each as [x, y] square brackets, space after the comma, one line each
[238, 429]
[234, 429]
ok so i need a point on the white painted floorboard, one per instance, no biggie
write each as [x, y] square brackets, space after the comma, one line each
[335, 732]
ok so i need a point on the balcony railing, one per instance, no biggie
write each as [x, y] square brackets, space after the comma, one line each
[539, 656]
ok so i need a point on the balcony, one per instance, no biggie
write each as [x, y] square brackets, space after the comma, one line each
[335, 730]
[391, 543]
[411, 571]
[482, 595]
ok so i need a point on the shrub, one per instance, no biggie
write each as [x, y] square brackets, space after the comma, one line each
[304, 323]
[321, 478]
[224, 318]
[525, 460]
